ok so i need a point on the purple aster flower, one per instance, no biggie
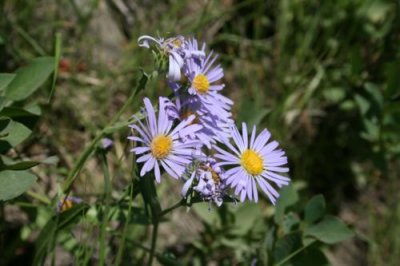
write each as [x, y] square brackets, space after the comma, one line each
[210, 182]
[203, 77]
[106, 143]
[162, 144]
[67, 203]
[253, 161]
[213, 125]
[175, 48]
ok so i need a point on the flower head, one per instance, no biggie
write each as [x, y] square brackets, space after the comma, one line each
[210, 182]
[106, 143]
[253, 161]
[67, 203]
[161, 144]
[176, 49]
[203, 77]
[213, 125]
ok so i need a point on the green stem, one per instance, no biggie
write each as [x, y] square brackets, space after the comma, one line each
[173, 207]
[121, 247]
[38, 197]
[153, 243]
[2, 230]
[107, 195]
[35, 45]
[149, 194]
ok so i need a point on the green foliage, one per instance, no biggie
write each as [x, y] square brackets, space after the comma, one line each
[293, 238]
[28, 79]
[330, 230]
[14, 183]
[315, 209]
[17, 123]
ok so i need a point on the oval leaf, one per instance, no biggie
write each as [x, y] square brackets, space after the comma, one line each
[5, 79]
[315, 209]
[330, 230]
[30, 78]
[19, 166]
[13, 135]
[14, 183]
[288, 197]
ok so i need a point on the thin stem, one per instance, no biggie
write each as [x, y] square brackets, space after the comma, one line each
[173, 207]
[81, 161]
[107, 195]
[35, 45]
[153, 242]
[38, 197]
[2, 230]
[125, 229]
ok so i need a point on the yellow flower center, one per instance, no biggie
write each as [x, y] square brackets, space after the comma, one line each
[215, 176]
[201, 84]
[177, 42]
[252, 162]
[66, 205]
[161, 146]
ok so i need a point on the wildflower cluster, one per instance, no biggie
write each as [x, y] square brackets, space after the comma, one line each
[193, 137]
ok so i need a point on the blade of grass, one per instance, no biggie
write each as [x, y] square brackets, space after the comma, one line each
[57, 55]
[107, 195]
[121, 247]
[30, 40]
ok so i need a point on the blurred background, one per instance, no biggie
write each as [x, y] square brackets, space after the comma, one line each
[322, 76]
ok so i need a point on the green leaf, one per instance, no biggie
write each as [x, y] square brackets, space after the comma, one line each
[5, 79]
[4, 121]
[375, 92]
[28, 79]
[13, 135]
[53, 226]
[18, 166]
[310, 257]
[20, 115]
[8, 164]
[57, 56]
[267, 245]
[290, 222]
[362, 103]
[14, 183]
[315, 209]
[335, 95]
[168, 259]
[286, 246]
[288, 197]
[330, 230]
[3, 102]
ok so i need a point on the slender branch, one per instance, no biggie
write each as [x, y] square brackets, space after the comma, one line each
[153, 243]
[107, 196]
[173, 207]
[38, 197]
[121, 247]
